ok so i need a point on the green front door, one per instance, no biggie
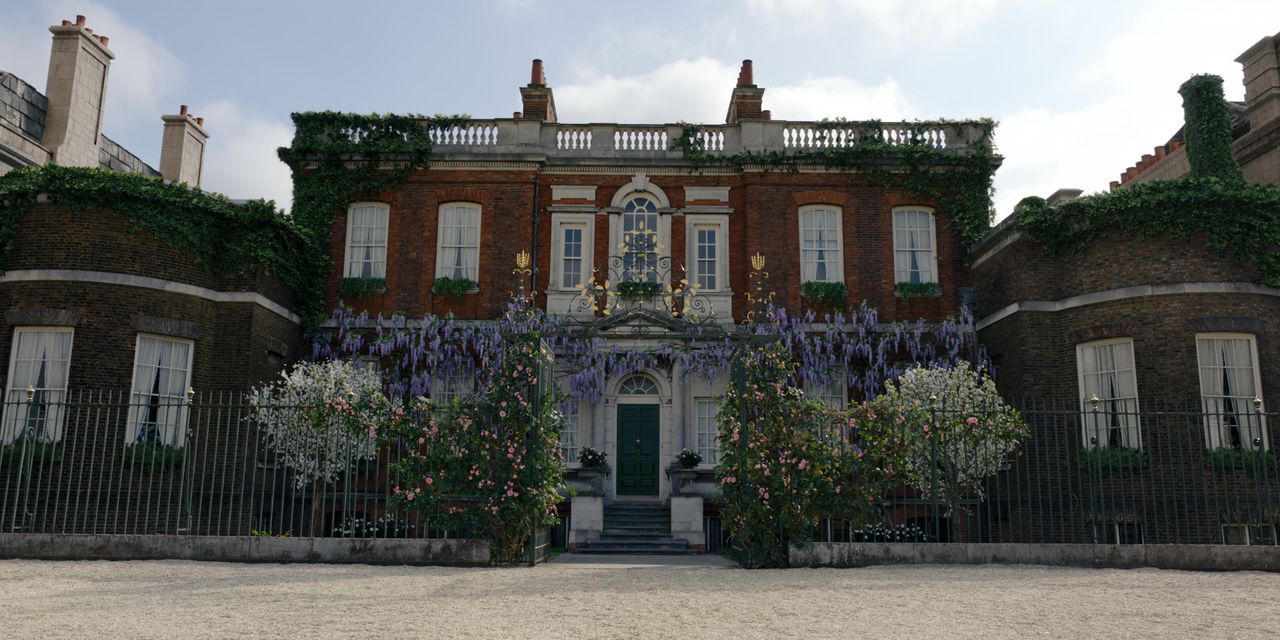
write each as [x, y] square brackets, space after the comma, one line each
[637, 450]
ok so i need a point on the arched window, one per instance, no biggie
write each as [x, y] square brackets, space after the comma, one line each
[640, 244]
[638, 386]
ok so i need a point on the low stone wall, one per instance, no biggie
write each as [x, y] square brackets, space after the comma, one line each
[1168, 556]
[38, 546]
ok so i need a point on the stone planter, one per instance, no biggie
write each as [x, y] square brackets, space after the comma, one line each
[682, 478]
[589, 480]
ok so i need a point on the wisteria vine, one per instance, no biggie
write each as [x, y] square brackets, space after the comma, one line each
[413, 353]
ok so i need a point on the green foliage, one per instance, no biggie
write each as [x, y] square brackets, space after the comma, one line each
[638, 289]
[36, 451]
[153, 456]
[1239, 220]
[688, 458]
[1226, 459]
[957, 430]
[787, 460]
[452, 288]
[1111, 460]
[829, 295]
[909, 290]
[590, 458]
[491, 464]
[1208, 129]
[959, 182]
[335, 157]
[223, 236]
[361, 288]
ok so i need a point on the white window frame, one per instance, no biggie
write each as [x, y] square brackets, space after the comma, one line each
[834, 392]
[705, 439]
[931, 258]
[349, 262]
[570, 447]
[559, 221]
[455, 384]
[170, 402]
[721, 225]
[17, 401]
[838, 275]
[1128, 414]
[442, 270]
[1215, 437]
[617, 233]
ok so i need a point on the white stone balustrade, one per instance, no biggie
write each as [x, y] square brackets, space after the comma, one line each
[622, 141]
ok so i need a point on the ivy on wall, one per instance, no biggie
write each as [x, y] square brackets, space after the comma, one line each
[959, 181]
[226, 237]
[1213, 202]
[1242, 221]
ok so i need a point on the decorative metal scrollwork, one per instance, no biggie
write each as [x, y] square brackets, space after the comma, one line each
[640, 278]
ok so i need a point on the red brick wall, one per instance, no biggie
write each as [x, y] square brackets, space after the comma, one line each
[764, 219]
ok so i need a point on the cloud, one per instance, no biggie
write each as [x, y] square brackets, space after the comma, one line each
[698, 91]
[898, 22]
[1135, 77]
[240, 158]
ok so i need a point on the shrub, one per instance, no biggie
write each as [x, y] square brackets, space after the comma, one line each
[321, 417]
[830, 295]
[689, 458]
[452, 288]
[591, 458]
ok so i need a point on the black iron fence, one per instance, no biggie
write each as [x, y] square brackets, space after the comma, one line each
[1096, 472]
[1104, 473]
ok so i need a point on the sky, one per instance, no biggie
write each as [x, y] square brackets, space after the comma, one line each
[1080, 89]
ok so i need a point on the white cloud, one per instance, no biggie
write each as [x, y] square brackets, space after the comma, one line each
[240, 158]
[698, 91]
[1135, 77]
[898, 22]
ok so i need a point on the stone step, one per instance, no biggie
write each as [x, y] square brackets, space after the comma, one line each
[634, 543]
[637, 551]
[635, 534]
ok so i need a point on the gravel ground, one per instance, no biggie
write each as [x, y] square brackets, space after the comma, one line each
[631, 598]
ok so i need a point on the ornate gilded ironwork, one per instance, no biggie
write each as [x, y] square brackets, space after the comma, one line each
[523, 270]
[759, 297]
[640, 279]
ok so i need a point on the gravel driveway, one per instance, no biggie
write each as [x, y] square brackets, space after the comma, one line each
[630, 598]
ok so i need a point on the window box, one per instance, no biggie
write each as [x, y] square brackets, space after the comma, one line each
[361, 288]
[36, 452]
[150, 457]
[1227, 459]
[1112, 460]
[908, 290]
[454, 289]
[825, 296]
[635, 290]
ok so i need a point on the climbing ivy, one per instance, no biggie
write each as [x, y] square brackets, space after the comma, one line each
[335, 156]
[1208, 129]
[960, 182]
[1236, 219]
[223, 236]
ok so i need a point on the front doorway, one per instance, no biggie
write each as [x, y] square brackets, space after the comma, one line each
[637, 450]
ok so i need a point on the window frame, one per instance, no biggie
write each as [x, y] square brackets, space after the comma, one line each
[1209, 427]
[933, 242]
[559, 222]
[8, 427]
[838, 276]
[721, 225]
[131, 426]
[1085, 406]
[440, 244]
[385, 210]
[711, 453]
[570, 454]
[617, 233]
[451, 388]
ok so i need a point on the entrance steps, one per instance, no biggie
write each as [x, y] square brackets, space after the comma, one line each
[637, 529]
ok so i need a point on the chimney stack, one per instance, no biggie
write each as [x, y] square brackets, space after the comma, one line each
[1261, 64]
[747, 99]
[76, 89]
[182, 148]
[539, 103]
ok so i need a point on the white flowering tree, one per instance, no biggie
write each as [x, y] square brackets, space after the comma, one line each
[957, 430]
[320, 417]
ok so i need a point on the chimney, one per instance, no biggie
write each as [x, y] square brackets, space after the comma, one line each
[76, 88]
[182, 148]
[539, 103]
[747, 99]
[1261, 64]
